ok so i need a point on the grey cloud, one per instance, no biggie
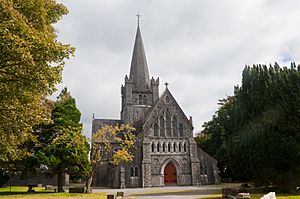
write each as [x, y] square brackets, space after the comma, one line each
[200, 47]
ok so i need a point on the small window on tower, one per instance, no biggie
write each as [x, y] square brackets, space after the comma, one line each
[145, 100]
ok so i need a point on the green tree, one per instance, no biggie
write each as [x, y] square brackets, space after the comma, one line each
[257, 133]
[115, 141]
[61, 145]
[31, 62]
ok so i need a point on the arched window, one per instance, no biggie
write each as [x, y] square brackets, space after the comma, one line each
[152, 147]
[201, 170]
[179, 147]
[174, 126]
[145, 99]
[164, 147]
[162, 126]
[158, 147]
[168, 123]
[180, 130]
[184, 147]
[134, 171]
[169, 147]
[155, 129]
[205, 170]
[174, 146]
[140, 99]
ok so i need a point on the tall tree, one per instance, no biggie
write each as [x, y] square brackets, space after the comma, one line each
[257, 134]
[61, 145]
[31, 62]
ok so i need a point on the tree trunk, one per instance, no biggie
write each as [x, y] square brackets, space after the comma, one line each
[88, 182]
[59, 181]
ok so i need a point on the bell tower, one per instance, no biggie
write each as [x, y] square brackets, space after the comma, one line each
[139, 92]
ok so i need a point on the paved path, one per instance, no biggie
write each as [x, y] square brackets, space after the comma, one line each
[188, 192]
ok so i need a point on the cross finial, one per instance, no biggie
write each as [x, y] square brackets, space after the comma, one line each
[138, 17]
[166, 84]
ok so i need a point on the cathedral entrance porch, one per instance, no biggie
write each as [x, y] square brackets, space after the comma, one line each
[170, 175]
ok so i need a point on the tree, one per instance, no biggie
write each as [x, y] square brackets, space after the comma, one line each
[115, 141]
[256, 132]
[61, 145]
[31, 62]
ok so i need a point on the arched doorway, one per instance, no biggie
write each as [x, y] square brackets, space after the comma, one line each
[170, 174]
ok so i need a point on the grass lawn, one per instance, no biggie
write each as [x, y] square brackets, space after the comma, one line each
[20, 192]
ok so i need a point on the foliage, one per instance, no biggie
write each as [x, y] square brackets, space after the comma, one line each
[4, 178]
[31, 62]
[256, 132]
[61, 145]
[115, 141]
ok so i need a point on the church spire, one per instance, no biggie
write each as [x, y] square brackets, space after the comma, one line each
[139, 69]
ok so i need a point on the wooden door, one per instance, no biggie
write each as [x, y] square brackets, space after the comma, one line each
[170, 177]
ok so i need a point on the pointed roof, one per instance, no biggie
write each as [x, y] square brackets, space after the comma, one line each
[139, 69]
[161, 101]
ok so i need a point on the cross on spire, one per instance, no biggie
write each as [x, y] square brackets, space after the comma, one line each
[138, 18]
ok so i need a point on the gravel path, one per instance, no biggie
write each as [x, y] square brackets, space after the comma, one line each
[188, 192]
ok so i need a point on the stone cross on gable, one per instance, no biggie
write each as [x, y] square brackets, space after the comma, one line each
[166, 84]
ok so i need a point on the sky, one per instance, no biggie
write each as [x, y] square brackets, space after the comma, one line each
[199, 47]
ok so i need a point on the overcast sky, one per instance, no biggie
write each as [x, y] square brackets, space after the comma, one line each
[199, 46]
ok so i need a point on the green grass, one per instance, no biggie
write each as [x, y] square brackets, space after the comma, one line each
[56, 196]
[20, 192]
[20, 189]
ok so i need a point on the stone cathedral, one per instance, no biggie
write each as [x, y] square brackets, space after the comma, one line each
[166, 153]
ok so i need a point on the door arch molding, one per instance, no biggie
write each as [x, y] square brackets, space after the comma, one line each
[177, 167]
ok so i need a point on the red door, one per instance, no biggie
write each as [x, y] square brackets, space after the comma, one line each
[170, 174]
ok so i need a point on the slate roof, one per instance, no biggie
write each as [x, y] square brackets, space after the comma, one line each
[99, 123]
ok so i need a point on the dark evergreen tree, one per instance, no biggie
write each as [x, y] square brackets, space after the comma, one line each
[256, 132]
[61, 145]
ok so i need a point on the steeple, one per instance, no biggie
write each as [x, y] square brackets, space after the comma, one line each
[139, 92]
[139, 73]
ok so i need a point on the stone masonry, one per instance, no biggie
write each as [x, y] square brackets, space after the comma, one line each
[166, 153]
